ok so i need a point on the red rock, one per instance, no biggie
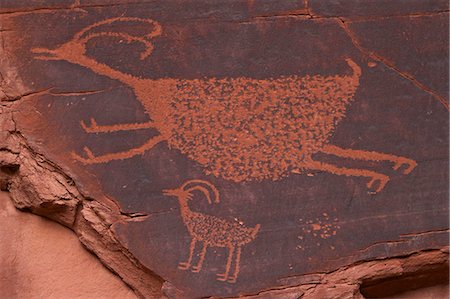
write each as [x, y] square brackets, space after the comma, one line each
[42, 259]
[294, 138]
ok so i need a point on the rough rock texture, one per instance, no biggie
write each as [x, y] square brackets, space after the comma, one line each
[42, 259]
[436, 292]
[37, 185]
[84, 141]
[347, 282]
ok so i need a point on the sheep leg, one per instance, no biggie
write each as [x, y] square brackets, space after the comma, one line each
[374, 176]
[370, 156]
[92, 159]
[233, 278]
[199, 266]
[224, 276]
[93, 127]
[186, 265]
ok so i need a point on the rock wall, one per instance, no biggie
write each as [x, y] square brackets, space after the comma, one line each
[42, 259]
[264, 149]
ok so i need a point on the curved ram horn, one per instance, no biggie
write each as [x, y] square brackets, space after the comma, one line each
[204, 186]
[156, 31]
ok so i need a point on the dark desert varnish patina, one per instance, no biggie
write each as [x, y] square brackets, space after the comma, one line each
[324, 137]
[237, 128]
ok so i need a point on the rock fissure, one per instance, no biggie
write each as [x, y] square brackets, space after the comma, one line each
[375, 56]
[305, 12]
[61, 201]
[39, 186]
[346, 282]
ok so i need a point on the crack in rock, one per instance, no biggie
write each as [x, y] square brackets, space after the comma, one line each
[39, 186]
[375, 56]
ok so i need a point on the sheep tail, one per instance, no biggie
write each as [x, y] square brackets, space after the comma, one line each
[356, 69]
[256, 230]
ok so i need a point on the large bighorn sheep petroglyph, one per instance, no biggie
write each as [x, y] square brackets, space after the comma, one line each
[240, 129]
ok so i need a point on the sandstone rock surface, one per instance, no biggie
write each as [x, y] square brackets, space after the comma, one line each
[42, 259]
[202, 148]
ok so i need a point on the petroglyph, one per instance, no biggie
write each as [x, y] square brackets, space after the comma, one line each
[240, 129]
[322, 227]
[211, 230]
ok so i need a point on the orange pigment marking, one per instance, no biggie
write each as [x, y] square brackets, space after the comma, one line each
[371, 156]
[316, 226]
[321, 227]
[240, 129]
[94, 128]
[211, 230]
[374, 176]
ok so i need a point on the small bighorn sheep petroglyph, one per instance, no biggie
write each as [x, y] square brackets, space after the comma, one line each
[240, 129]
[211, 230]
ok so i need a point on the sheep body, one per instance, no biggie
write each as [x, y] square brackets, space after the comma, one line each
[210, 230]
[239, 129]
[245, 129]
[217, 232]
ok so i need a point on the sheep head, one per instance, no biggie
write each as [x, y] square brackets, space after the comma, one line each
[185, 191]
[75, 49]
